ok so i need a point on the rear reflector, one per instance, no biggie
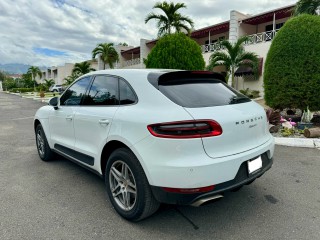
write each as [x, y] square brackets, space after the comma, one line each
[189, 190]
[186, 129]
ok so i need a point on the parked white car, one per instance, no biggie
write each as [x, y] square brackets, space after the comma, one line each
[157, 136]
[56, 88]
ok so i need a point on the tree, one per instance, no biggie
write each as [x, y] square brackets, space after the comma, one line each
[70, 79]
[27, 81]
[107, 54]
[176, 51]
[2, 76]
[82, 68]
[48, 83]
[123, 44]
[9, 83]
[34, 71]
[171, 18]
[233, 57]
[292, 68]
[307, 6]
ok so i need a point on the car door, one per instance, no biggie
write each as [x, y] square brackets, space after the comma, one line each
[61, 119]
[92, 121]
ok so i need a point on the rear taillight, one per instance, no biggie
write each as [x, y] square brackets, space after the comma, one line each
[186, 129]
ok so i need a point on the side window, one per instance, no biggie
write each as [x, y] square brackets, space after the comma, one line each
[127, 95]
[74, 94]
[103, 91]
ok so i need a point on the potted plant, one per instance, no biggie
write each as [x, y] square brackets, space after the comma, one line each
[305, 120]
[41, 92]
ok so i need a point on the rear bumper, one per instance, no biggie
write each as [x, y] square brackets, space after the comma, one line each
[242, 178]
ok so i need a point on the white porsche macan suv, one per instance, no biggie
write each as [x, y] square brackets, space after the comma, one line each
[157, 136]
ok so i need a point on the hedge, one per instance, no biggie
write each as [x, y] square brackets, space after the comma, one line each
[176, 51]
[292, 68]
[21, 90]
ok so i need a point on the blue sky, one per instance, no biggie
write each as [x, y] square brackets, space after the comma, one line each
[54, 32]
[49, 52]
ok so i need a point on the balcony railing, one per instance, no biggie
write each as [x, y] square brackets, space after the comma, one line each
[131, 62]
[261, 37]
[211, 47]
[252, 39]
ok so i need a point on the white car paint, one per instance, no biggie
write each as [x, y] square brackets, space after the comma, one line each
[174, 163]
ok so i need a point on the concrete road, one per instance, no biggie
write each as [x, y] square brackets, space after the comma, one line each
[60, 200]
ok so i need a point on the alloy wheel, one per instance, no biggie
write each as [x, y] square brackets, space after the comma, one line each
[122, 185]
[40, 143]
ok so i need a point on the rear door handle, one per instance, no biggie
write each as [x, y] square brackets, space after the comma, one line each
[69, 117]
[104, 122]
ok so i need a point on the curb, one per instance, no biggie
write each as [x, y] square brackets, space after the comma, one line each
[298, 142]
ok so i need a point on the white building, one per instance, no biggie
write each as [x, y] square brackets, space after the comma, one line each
[260, 28]
[59, 73]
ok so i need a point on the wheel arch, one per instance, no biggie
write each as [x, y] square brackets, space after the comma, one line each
[36, 123]
[45, 127]
[110, 147]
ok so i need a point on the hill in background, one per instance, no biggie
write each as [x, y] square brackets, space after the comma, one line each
[14, 68]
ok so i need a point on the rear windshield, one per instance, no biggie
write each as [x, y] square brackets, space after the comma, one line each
[195, 93]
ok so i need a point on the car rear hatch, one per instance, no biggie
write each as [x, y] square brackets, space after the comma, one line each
[204, 95]
[243, 128]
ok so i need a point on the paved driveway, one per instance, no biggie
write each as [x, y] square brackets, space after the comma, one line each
[60, 200]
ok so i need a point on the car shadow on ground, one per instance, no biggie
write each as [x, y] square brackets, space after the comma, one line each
[242, 207]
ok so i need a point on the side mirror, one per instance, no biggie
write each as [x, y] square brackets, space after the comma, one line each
[54, 102]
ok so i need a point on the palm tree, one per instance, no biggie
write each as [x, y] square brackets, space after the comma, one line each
[307, 6]
[108, 54]
[70, 79]
[48, 83]
[171, 18]
[82, 68]
[34, 72]
[233, 57]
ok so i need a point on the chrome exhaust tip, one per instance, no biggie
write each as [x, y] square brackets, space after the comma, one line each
[206, 199]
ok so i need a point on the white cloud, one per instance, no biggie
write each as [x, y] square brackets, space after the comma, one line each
[76, 26]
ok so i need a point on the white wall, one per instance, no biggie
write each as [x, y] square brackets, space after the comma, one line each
[144, 51]
[235, 17]
[63, 72]
[247, 29]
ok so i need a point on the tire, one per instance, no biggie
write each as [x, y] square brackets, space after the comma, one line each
[55, 90]
[44, 150]
[132, 197]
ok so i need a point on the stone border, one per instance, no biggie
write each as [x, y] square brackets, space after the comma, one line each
[298, 142]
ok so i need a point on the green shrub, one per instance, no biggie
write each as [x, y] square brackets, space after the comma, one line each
[176, 51]
[292, 69]
[9, 83]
